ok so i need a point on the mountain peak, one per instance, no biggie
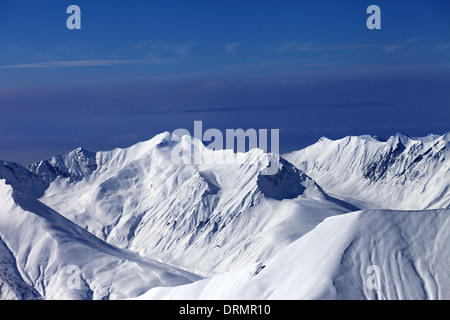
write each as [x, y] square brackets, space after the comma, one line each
[370, 137]
[74, 166]
[415, 170]
[324, 140]
[81, 150]
[400, 137]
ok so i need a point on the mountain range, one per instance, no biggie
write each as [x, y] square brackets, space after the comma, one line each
[132, 224]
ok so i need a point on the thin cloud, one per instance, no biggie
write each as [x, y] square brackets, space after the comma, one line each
[151, 47]
[89, 63]
[368, 104]
[231, 47]
[140, 46]
[315, 46]
[183, 49]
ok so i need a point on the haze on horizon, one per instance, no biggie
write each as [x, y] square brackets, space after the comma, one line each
[136, 69]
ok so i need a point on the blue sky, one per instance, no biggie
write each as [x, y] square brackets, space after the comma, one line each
[138, 68]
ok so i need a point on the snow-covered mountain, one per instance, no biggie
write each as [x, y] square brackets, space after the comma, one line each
[207, 218]
[401, 173]
[133, 219]
[73, 166]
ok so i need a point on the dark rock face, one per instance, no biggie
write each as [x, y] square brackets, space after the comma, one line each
[285, 184]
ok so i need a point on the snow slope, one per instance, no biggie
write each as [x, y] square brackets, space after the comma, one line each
[12, 285]
[38, 248]
[204, 217]
[401, 173]
[370, 254]
[135, 221]
[22, 180]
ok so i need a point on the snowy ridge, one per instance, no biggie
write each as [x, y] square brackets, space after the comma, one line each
[400, 173]
[74, 166]
[137, 224]
[21, 179]
[205, 217]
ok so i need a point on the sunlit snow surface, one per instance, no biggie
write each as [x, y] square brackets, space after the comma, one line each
[335, 261]
[401, 173]
[138, 225]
